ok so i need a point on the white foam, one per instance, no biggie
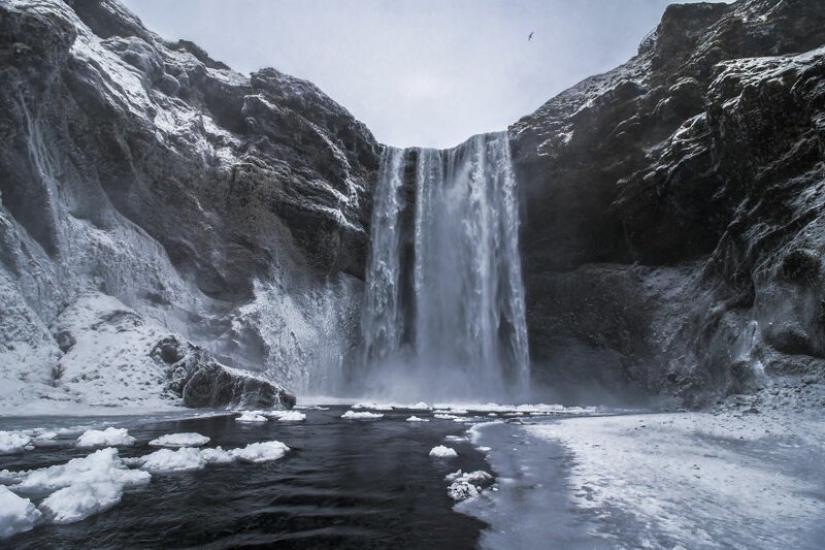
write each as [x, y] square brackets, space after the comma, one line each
[17, 514]
[185, 439]
[79, 501]
[110, 437]
[440, 451]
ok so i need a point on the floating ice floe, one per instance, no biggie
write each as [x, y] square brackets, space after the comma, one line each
[288, 416]
[441, 451]
[455, 438]
[184, 459]
[444, 416]
[261, 452]
[110, 437]
[373, 406]
[250, 416]
[102, 466]
[414, 418]
[364, 415]
[14, 442]
[17, 514]
[464, 486]
[79, 501]
[185, 439]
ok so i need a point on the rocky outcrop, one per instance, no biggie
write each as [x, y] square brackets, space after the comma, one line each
[673, 234]
[200, 381]
[231, 209]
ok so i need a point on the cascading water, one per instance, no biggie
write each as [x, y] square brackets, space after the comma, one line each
[444, 304]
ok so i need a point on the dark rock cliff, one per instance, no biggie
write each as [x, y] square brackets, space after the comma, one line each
[230, 208]
[673, 208]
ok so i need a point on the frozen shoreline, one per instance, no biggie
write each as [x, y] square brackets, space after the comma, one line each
[729, 479]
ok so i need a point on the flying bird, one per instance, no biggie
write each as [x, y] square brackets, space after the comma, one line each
[530, 36]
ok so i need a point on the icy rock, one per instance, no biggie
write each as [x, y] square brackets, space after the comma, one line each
[362, 415]
[105, 438]
[260, 452]
[467, 485]
[13, 442]
[81, 500]
[441, 451]
[186, 439]
[203, 382]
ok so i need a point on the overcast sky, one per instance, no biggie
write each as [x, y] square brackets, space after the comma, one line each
[417, 72]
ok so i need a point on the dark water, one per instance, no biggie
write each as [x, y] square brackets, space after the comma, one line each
[344, 484]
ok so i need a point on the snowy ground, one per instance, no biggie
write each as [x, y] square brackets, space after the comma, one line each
[729, 479]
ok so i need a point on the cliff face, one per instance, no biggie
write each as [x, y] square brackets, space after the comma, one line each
[673, 232]
[164, 219]
[230, 210]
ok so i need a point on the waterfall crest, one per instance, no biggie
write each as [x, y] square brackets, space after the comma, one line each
[444, 304]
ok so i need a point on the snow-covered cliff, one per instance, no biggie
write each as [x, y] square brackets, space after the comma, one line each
[151, 193]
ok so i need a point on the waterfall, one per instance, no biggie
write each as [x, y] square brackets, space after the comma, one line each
[444, 304]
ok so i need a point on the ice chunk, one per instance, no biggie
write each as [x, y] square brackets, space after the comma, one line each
[441, 451]
[416, 419]
[374, 406]
[101, 466]
[261, 452]
[105, 438]
[288, 416]
[17, 514]
[444, 416]
[79, 501]
[13, 442]
[216, 456]
[186, 439]
[353, 415]
[466, 486]
[165, 460]
[455, 438]
[250, 416]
